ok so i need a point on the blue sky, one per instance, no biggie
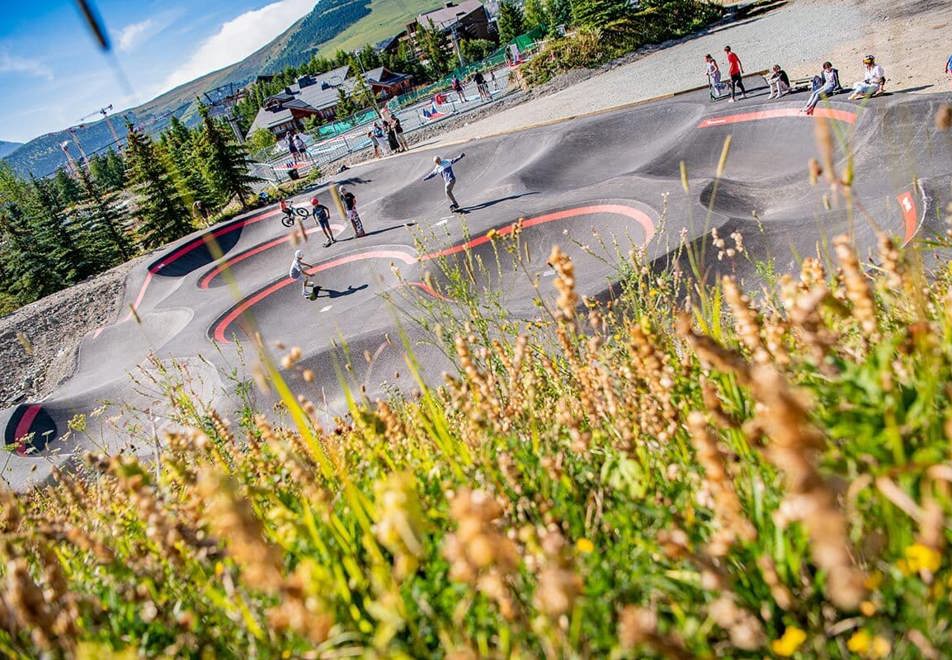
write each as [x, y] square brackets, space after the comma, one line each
[52, 73]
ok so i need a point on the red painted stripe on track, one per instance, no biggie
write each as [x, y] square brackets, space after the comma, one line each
[638, 216]
[23, 426]
[241, 256]
[249, 302]
[910, 214]
[776, 113]
[188, 247]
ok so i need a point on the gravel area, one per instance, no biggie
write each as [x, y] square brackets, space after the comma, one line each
[39, 342]
[798, 35]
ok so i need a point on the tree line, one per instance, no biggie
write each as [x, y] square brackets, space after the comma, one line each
[58, 231]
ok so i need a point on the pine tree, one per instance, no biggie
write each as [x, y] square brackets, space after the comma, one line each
[225, 163]
[162, 215]
[511, 21]
[69, 191]
[436, 48]
[103, 234]
[56, 229]
[181, 159]
[29, 259]
[344, 107]
[362, 93]
[534, 14]
[117, 169]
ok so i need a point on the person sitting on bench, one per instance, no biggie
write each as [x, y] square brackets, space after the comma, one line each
[873, 81]
[823, 85]
[779, 82]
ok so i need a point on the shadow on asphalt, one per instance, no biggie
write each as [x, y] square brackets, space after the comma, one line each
[378, 231]
[485, 205]
[334, 293]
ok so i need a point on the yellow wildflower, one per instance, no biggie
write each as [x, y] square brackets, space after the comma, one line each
[859, 642]
[873, 580]
[584, 546]
[921, 557]
[491, 234]
[867, 608]
[787, 645]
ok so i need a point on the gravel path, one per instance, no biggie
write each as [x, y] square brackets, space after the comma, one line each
[798, 36]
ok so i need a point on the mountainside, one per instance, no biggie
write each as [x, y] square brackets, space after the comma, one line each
[8, 147]
[328, 19]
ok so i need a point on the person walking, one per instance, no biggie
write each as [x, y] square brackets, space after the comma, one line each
[200, 208]
[444, 167]
[391, 137]
[481, 85]
[322, 216]
[350, 205]
[492, 79]
[379, 134]
[297, 272]
[713, 76]
[398, 129]
[736, 71]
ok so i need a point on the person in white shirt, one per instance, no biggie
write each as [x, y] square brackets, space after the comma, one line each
[873, 81]
[297, 272]
[444, 167]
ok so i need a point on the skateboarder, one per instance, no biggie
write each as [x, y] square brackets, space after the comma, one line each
[308, 289]
[444, 168]
[350, 205]
[736, 71]
[322, 216]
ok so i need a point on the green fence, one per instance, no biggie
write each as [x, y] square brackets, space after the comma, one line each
[338, 127]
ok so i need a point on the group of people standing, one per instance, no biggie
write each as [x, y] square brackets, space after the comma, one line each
[297, 147]
[391, 133]
[822, 85]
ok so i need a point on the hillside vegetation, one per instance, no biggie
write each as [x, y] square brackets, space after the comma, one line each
[386, 18]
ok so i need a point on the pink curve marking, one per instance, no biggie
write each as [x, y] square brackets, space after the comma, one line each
[188, 247]
[910, 214]
[23, 427]
[775, 113]
[640, 217]
[241, 256]
[249, 302]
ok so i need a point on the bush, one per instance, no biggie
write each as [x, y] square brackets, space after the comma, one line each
[260, 140]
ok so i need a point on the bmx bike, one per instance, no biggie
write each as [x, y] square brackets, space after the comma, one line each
[288, 219]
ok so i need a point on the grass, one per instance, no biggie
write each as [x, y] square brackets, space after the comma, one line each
[684, 470]
[387, 18]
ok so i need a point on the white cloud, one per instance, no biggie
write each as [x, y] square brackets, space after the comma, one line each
[238, 38]
[13, 64]
[133, 34]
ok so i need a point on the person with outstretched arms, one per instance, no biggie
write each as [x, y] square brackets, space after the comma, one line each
[444, 167]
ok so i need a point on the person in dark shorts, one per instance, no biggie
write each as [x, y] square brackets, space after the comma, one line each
[322, 216]
[350, 205]
[736, 71]
[292, 147]
[298, 271]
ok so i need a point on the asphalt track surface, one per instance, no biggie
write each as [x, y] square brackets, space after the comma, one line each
[598, 186]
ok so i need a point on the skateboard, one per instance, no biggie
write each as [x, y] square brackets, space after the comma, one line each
[357, 224]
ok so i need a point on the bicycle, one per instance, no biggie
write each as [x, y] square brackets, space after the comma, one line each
[288, 219]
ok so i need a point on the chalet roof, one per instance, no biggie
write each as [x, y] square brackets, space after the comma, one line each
[444, 17]
[384, 76]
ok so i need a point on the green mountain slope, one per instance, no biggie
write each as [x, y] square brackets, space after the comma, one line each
[330, 25]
